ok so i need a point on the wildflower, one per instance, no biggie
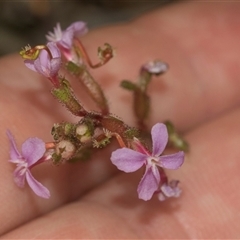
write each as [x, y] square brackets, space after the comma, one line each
[65, 38]
[47, 63]
[129, 160]
[168, 190]
[33, 150]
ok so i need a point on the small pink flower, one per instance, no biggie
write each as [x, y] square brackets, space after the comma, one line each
[33, 150]
[65, 38]
[46, 64]
[155, 67]
[129, 160]
[168, 190]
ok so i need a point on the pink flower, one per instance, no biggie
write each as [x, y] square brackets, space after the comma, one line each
[33, 150]
[46, 64]
[64, 39]
[155, 67]
[168, 190]
[129, 160]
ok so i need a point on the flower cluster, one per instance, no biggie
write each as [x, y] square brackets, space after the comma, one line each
[96, 129]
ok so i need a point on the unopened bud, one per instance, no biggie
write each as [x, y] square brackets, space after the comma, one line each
[82, 129]
[84, 134]
[65, 149]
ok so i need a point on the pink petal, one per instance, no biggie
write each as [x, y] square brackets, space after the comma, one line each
[42, 63]
[55, 66]
[14, 153]
[30, 65]
[172, 161]
[127, 160]
[159, 138]
[56, 53]
[32, 150]
[48, 65]
[156, 67]
[75, 29]
[161, 197]
[167, 190]
[19, 176]
[67, 38]
[171, 189]
[149, 183]
[44, 59]
[36, 186]
[80, 28]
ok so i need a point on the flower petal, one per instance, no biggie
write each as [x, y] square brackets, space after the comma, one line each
[169, 190]
[19, 175]
[149, 183]
[127, 159]
[172, 161]
[14, 153]
[42, 63]
[32, 150]
[30, 65]
[159, 138]
[55, 66]
[56, 53]
[36, 186]
[155, 67]
[75, 29]
[67, 38]
[80, 28]
[48, 65]
[161, 197]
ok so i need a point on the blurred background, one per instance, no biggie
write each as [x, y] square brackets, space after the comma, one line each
[27, 22]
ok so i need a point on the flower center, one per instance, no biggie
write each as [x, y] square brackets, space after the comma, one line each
[22, 167]
[152, 161]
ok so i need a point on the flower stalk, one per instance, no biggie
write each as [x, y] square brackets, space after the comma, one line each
[104, 54]
[93, 88]
[141, 100]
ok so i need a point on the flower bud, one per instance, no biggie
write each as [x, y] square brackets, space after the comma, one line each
[65, 149]
[84, 133]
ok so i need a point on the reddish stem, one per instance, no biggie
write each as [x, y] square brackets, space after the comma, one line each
[87, 58]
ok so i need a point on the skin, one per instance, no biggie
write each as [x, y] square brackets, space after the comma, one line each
[199, 93]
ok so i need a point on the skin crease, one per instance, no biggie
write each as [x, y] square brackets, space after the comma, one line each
[199, 93]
